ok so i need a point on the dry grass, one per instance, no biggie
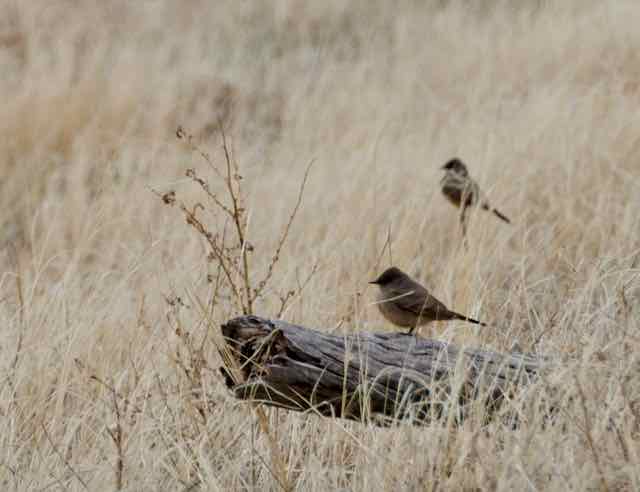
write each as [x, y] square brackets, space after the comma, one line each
[109, 309]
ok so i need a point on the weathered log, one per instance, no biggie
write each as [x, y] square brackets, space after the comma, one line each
[366, 375]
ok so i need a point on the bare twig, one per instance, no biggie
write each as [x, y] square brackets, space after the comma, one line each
[218, 251]
[66, 463]
[292, 293]
[238, 214]
[183, 135]
[285, 232]
[117, 437]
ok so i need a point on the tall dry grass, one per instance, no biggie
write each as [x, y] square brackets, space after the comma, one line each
[108, 333]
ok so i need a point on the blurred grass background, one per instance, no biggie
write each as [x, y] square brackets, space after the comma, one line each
[540, 98]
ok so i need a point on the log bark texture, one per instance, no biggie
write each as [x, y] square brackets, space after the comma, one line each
[364, 375]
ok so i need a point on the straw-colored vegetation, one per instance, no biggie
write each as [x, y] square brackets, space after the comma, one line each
[110, 307]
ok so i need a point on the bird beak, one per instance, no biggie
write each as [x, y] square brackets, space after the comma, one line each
[444, 166]
[375, 282]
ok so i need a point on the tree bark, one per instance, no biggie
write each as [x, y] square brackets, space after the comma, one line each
[379, 377]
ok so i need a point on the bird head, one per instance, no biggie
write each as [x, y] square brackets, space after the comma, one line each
[455, 165]
[389, 276]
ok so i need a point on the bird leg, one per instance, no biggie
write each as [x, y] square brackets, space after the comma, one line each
[463, 225]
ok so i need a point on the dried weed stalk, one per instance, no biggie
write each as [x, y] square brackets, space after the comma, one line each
[231, 252]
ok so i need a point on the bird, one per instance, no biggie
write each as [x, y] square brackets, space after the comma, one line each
[406, 303]
[461, 190]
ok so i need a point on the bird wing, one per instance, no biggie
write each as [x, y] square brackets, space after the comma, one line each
[418, 301]
[462, 189]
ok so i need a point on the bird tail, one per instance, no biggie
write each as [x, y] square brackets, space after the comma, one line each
[501, 216]
[466, 318]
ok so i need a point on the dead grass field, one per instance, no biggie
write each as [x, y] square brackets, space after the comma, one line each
[108, 318]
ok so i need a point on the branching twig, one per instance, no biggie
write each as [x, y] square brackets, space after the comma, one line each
[285, 232]
[238, 215]
[231, 253]
[291, 293]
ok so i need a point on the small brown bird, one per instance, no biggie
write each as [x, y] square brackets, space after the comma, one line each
[404, 302]
[464, 192]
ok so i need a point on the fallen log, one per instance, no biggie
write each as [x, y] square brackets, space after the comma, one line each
[366, 376]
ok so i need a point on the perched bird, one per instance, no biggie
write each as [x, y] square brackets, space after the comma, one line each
[404, 302]
[461, 190]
